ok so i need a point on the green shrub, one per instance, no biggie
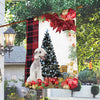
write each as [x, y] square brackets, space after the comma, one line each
[95, 90]
[87, 76]
[46, 98]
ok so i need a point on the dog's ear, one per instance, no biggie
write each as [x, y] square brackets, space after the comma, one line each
[34, 52]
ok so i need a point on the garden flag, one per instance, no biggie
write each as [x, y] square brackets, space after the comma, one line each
[51, 60]
[32, 43]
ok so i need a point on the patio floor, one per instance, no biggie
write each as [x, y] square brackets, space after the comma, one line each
[74, 98]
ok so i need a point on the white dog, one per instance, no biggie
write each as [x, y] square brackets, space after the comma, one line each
[35, 69]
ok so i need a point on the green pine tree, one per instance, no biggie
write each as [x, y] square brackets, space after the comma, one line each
[50, 64]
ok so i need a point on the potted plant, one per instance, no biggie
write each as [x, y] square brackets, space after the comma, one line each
[95, 90]
[98, 75]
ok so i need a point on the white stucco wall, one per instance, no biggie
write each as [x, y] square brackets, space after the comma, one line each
[2, 15]
[60, 42]
[85, 92]
[15, 72]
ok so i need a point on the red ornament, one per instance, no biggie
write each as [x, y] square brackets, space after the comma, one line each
[33, 83]
[67, 80]
[41, 87]
[42, 17]
[30, 83]
[57, 87]
[49, 79]
[53, 80]
[46, 83]
[39, 82]
[71, 14]
[63, 83]
[46, 79]
[73, 83]
[56, 82]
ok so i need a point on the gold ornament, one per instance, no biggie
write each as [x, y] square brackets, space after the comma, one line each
[63, 68]
[33, 86]
[50, 85]
[71, 63]
[75, 72]
[26, 84]
[66, 87]
[36, 85]
[74, 35]
[64, 12]
[35, 19]
[60, 79]
[30, 87]
[71, 69]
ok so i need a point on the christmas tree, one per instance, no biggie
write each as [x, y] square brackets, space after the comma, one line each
[50, 67]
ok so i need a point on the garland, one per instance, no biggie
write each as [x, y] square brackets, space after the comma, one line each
[66, 21]
[68, 83]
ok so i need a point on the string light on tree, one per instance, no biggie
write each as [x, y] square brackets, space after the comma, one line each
[50, 65]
